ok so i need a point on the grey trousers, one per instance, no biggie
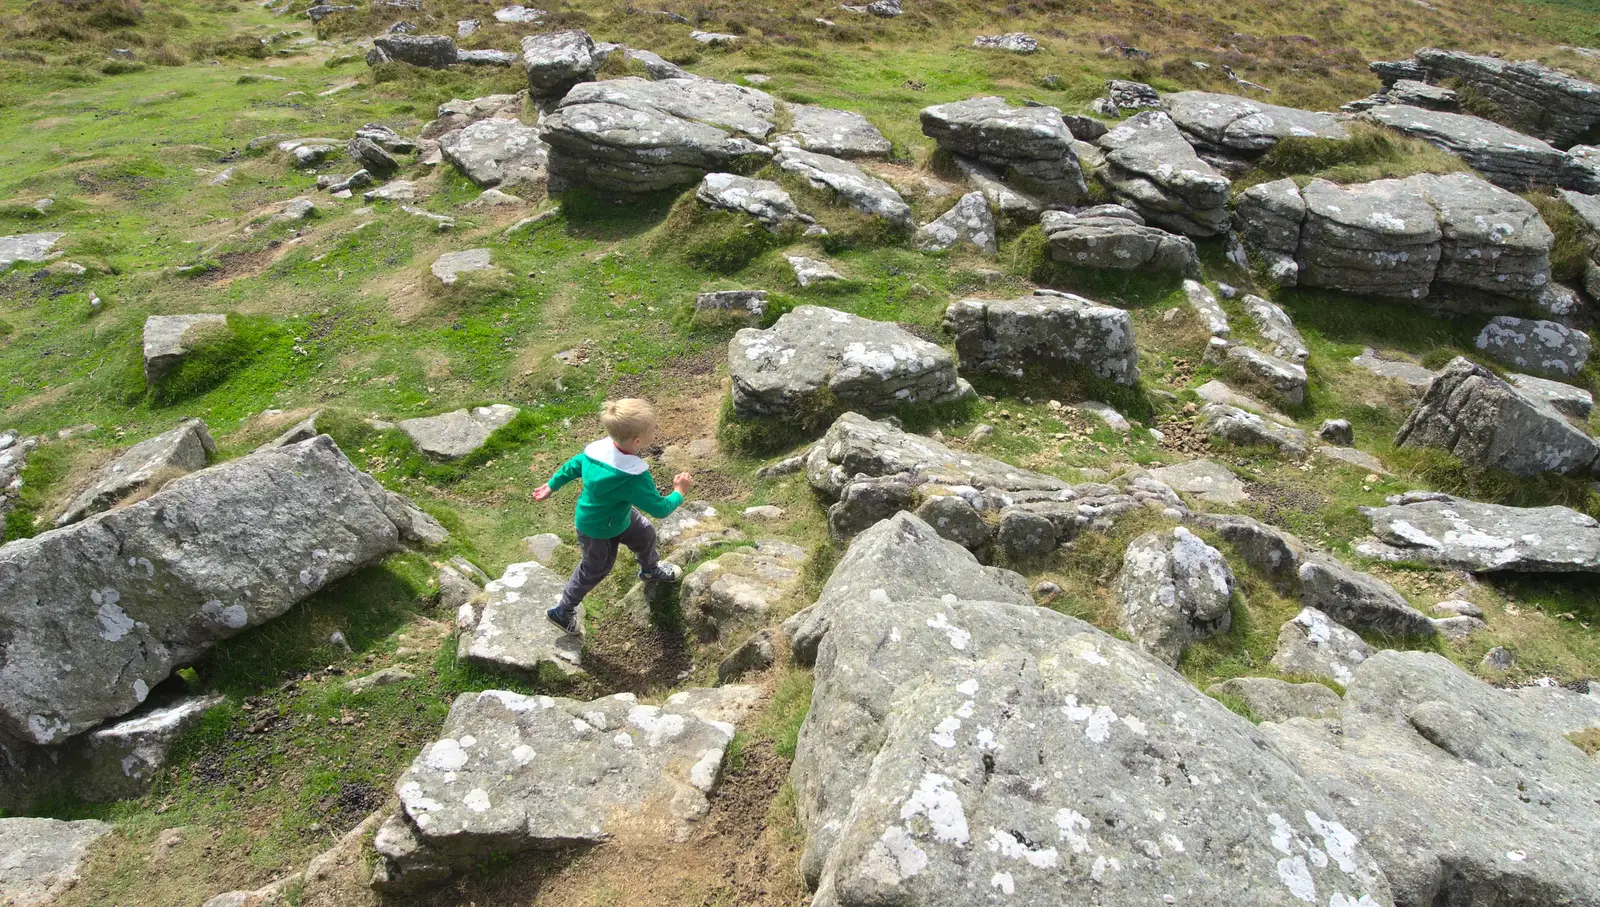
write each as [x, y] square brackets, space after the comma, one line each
[600, 555]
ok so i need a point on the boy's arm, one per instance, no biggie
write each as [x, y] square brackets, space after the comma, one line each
[569, 470]
[642, 493]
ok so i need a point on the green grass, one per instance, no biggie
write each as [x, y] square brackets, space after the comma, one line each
[47, 465]
[1371, 152]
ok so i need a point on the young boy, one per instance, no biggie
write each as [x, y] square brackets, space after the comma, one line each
[615, 482]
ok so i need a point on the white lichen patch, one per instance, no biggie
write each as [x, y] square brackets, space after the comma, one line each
[936, 801]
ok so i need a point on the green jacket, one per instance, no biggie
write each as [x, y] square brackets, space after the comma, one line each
[613, 484]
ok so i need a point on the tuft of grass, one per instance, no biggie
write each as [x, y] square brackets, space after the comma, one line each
[1570, 253]
[1588, 741]
[1371, 152]
[716, 241]
[1440, 470]
[212, 359]
[47, 466]
[786, 713]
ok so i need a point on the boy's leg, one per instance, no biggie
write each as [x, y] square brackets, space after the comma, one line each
[640, 537]
[599, 556]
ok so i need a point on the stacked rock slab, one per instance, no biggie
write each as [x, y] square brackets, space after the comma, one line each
[557, 61]
[1230, 131]
[764, 200]
[815, 358]
[506, 628]
[1478, 246]
[1470, 535]
[867, 194]
[1529, 96]
[1029, 147]
[1152, 168]
[838, 133]
[1483, 421]
[177, 452]
[1515, 824]
[631, 135]
[1504, 156]
[498, 152]
[1044, 333]
[962, 744]
[122, 598]
[1173, 589]
[1111, 236]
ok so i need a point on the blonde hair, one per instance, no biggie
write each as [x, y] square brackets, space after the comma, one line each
[627, 419]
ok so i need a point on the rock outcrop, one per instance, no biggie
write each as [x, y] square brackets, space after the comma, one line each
[94, 615]
[766, 201]
[1316, 645]
[815, 358]
[1532, 97]
[159, 459]
[506, 628]
[164, 340]
[557, 61]
[498, 152]
[1043, 334]
[1173, 589]
[852, 186]
[1483, 421]
[838, 133]
[968, 222]
[1111, 236]
[1152, 168]
[1470, 535]
[742, 585]
[43, 857]
[1028, 147]
[1230, 131]
[1281, 381]
[1540, 347]
[457, 434]
[1572, 402]
[1223, 422]
[1357, 599]
[1504, 156]
[30, 247]
[1276, 328]
[427, 51]
[1271, 699]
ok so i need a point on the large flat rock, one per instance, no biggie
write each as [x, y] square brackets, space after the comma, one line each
[1505, 157]
[40, 858]
[507, 629]
[1044, 334]
[94, 615]
[766, 201]
[850, 184]
[1528, 95]
[34, 247]
[1232, 125]
[840, 133]
[1031, 147]
[460, 433]
[164, 337]
[166, 456]
[1470, 535]
[498, 152]
[1111, 236]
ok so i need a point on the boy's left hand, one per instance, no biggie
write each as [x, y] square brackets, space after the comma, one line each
[542, 492]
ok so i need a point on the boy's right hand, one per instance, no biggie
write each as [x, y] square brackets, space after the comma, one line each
[682, 482]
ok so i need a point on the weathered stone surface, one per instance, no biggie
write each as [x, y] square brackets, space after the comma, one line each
[808, 271]
[1408, 373]
[1271, 699]
[818, 356]
[1572, 402]
[1008, 202]
[1357, 599]
[94, 615]
[1173, 589]
[1484, 421]
[513, 773]
[1207, 309]
[164, 340]
[456, 434]
[1152, 168]
[1276, 328]
[721, 307]
[557, 61]
[449, 267]
[1458, 628]
[954, 518]
[968, 222]
[754, 654]
[631, 135]
[1514, 826]
[1111, 236]
[655, 67]
[120, 759]
[458, 113]
[43, 857]
[1539, 347]
[507, 629]
[1229, 423]
[371, 157]
[1215, 391]
[1230, 127]
[1029, 147]
[498, 152]
[520, 15]
[430, 51]
[1316, 645]
[764, 200]
[743, 584]
[1043, 334]
[1012, 42]
[1265, 548]
[838, 133]
[164, 457]
[380, 678]
[1504, 156]
[1529, 96]
[1023, 535]
[1280, 380]
[1207, 480]
[14, 451]
[958, 744]
[1337, 432]
[867, 194]
[1126, 95]
[1469, 535]
[31, 247]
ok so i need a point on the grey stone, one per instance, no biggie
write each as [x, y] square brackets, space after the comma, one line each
[164, 337]
[1542, 348]
[866, 503]
[631, 135]
[1580, 170]
[115, 603]
[1023, 535]
[457, 113]
[1042, 334]
[380, 678]
[1530, 96]
[968, 222]
[1316, 645]
[742, 585]
[494, 198]
[466, 28]
[1207, 480]
[371, 157]
[1566, 305]
[557, 61]
[387, 139]
[763, 513]
[297, 209]
[1271, 699]
[1104, 413]
[764, 200]
[1408, 373]
[866, 194]
[498, 152]
[519, 15]
[1469, 535]
[1012, 42]
[14, 451]
[1207, 309]
[959, 745]
[839, 133]
[1152, 168]
[1572, 402]
[1231, 127]
[1276, 328]
[957, 520]
[1030, 147]
[1484, 421]
[507, 629]
[1008, 202]
[449, 267]
[487, 57]
[1220, 421]
[513, 773]
[121, 759]
[1126, 94]
[713, 39]
[818, 355]
[1337, 432]
[692, 530]
[1456, 607]
[159, 459]
[358, 180]
[43, 857]
[1513, 827]
[543, 547]
[456, 587]
[745, 307]
[1458, 628]
[1357, 599]
[31, 247]
[1421, 94]
[1280, 380]
[456, 434]
[1360, 459]
[1499, 658]
[1505, 157]
[428, 51]
[1111, 236]
[754, 654]
[657, 68]
[442, 222]
[1173, 589]
[1215, 391]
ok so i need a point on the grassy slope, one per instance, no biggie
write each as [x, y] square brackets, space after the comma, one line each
[347, 320]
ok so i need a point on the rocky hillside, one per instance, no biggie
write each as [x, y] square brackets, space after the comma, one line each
[1145, 453]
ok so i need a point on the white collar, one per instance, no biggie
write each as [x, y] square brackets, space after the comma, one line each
[605, 451]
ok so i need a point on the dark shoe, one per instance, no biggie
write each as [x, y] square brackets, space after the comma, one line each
[568, 623]
[663, 573]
